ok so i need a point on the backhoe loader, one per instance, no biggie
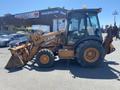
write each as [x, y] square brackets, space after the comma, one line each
[81, 41]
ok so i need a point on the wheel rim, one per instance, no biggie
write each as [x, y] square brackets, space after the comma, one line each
[91, 55]
[44, 59]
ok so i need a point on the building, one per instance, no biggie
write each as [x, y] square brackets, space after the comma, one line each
[52, 18]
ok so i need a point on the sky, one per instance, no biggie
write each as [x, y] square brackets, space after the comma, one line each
[20, 6]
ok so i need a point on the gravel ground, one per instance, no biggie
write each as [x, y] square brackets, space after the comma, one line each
[64, 76]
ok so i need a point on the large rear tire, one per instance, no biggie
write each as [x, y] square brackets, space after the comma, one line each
[90, 53]
[45, 58]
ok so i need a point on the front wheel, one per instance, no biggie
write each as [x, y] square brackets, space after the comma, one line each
[90, 53]
[45, 58]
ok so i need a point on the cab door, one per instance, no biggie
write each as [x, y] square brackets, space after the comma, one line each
[76, 29]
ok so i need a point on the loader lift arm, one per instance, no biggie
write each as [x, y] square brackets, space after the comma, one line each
[24, 53]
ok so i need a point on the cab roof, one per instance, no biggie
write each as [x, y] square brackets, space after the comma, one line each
[97, 10]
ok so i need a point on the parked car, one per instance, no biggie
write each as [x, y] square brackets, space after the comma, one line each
[5, 39]
[19, 41]
[16, 36]
[2, 33]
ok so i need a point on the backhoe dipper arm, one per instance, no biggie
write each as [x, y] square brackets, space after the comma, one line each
[107, 44]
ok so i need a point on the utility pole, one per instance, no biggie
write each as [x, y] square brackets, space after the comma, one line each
[115, 13]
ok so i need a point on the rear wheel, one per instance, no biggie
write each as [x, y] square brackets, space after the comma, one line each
[90, 53]
[45, 58]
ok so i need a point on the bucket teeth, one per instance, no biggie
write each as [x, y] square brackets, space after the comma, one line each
[14, 62]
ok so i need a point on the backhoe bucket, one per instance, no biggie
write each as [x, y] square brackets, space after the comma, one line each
[109, 48]
[14, 62]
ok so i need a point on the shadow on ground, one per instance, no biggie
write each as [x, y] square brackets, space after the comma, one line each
[102, 72]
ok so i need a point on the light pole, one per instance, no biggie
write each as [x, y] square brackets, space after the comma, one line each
[115, 13]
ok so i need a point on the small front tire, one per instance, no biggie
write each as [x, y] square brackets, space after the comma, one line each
[45, 58]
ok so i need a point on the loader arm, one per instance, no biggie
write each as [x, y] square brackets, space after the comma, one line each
[26, 52]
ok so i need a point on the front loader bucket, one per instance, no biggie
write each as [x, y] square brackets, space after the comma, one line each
[14, 62]
[19, 58]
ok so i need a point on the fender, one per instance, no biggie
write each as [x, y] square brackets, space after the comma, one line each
[86, 38]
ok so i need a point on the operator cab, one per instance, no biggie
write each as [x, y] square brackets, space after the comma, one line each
[83, 23]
